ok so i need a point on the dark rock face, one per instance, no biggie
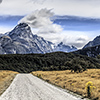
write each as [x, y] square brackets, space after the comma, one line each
[91, 49]
[93, 43]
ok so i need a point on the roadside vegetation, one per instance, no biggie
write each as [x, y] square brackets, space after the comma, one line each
[6, 77]
[75, 82]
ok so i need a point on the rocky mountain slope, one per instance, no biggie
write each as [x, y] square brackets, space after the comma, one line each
[65, 48]
[93, 43]
[91, 49]
[22, 41]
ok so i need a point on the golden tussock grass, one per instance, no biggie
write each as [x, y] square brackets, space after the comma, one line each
[75, 82]
[6, 78]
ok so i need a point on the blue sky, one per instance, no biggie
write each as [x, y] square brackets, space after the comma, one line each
[75, 22]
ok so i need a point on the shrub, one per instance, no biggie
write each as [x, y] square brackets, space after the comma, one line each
[89, 88]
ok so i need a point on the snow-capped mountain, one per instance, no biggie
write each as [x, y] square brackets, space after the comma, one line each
[93, 43]
[21, 41]
[65, 48]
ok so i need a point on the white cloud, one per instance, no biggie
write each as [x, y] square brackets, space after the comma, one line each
[87, 8]
[53, 28]
[40, 19]
[0, 1]
[68, 37]
[38, 1]
[14, 7]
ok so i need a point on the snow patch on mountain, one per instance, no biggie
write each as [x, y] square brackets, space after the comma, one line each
[65, 48]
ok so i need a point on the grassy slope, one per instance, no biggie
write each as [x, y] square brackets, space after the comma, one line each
[6, 78]
[73, 81]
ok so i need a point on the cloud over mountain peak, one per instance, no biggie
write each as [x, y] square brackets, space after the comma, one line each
[40, 19]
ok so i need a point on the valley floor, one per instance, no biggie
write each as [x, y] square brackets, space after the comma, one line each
[75, 82]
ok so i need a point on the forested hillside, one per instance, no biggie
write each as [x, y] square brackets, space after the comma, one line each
[50, 61]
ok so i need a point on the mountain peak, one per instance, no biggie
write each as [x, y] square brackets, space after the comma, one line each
[61, 43]
[93, 43]
[21, 30]
[22, 25]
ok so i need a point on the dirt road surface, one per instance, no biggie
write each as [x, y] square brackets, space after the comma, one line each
[29, 87]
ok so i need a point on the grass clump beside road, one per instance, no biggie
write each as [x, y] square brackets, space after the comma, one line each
[6, 78]
[75, 82]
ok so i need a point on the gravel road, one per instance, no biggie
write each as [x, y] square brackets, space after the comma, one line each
[29, 87]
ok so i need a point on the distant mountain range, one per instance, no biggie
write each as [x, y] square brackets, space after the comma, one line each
[22, 41]
[91, 49]
[65, 48]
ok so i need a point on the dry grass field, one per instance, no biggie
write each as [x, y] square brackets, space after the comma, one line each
[6, 78]
[75, 82]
